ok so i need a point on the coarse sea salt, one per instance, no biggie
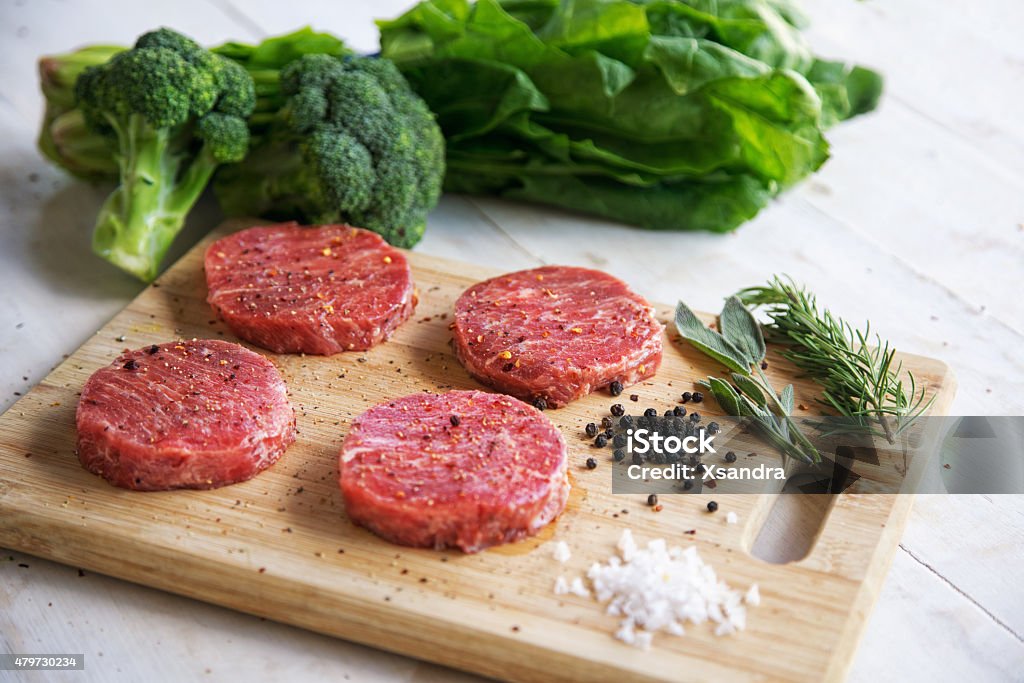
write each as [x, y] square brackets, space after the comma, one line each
[731, 518]
[562, 552]
[753, 596]
[577, 588]
[659, 588]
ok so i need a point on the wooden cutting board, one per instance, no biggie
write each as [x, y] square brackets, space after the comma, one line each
[279, 546]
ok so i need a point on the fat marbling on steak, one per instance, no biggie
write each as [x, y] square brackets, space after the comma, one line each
[556, 333]
[464, 469]
[319, 290]
[191, 414]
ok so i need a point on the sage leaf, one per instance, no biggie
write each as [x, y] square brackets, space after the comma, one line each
[786, 399]
[741, 329]
[708, 341]
[750, 388]
[725, 395]
[750, 409]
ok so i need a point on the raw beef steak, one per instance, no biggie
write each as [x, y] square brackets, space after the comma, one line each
[193, 414]
[555, 333]
[465, 469]
[295, 289]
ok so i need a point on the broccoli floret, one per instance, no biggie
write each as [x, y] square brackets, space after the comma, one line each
[63, 137]
[352, 144]
[175, 112]
[67, 141]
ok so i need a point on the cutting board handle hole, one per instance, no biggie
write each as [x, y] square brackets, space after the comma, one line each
[793, 523]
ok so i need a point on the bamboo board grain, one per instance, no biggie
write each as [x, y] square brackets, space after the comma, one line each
[280, 546]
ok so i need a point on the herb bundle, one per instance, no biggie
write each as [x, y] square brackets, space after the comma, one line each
[859, 382]
[747, 393]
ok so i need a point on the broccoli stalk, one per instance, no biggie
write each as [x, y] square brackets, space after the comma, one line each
[160, 182]
[351, 143]
[64, 137]
[175, 112]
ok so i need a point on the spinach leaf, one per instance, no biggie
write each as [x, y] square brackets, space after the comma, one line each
[667, 114]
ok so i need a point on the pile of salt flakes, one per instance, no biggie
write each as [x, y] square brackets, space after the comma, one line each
[657, 589]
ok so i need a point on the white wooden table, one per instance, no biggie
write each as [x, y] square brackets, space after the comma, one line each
[917, 222]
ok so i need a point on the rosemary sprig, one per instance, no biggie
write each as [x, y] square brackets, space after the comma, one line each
[859, 381]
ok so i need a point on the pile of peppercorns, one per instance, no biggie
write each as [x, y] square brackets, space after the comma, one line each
[674, 421]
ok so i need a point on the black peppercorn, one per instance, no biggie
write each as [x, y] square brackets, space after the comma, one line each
[619, 455]
[638, 459]
[454, 419]
[688, 484]
[626, 421]
[540, 404]
[591, 430]
[617, 410]
[679, 411]
[694, 417]
[713, 428]
[651, 412]
[131, 365]
[591, 464]
[619, 440]
[606, 423]
[712, 506]
[615, 388]
[764, 365]
[730, 456]
[687, 396]
[601, 441]
[697, 397]
[669, 413]
[652, 499]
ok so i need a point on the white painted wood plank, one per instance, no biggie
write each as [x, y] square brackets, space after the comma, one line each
[974, 543]
[943, 160]
[45, 27]
[920, 631]
[929, 198]
[960, 65]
